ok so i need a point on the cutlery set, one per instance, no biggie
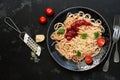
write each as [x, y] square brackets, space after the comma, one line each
[115, 38]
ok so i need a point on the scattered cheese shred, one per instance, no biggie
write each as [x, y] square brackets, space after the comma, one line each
[34, 57]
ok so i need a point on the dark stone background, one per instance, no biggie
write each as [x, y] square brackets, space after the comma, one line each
[15, 63]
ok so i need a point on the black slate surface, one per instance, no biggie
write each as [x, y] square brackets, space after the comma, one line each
[15, 63]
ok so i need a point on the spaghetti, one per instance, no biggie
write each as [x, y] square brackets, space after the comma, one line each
[77, 36]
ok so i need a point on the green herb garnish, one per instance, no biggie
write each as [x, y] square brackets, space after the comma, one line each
[96, 34]
[84, 36]
[61, 31]
[78, 53]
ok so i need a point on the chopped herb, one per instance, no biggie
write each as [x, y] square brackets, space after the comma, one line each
[78, 53]
[84, 36]
[61, 31]
[96, 34]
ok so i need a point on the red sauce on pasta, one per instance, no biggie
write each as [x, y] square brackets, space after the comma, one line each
[72, 31]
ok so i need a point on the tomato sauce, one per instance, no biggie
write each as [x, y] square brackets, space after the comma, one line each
[72, 31]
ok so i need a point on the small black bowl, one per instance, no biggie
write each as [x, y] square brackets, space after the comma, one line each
[68, 64]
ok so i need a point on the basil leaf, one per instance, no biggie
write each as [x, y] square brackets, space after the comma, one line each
[84, 36]
[78, 53]
[96, 34]
[61, 31]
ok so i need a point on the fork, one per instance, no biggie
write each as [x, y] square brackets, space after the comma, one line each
[116, 23]
[116, 35]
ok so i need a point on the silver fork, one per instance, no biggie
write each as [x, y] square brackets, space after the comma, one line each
[115, 37]
[116, 23]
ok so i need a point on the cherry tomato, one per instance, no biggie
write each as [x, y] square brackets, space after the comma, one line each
[88, 59]
[42, 19]
[49, 11]
[100, 42]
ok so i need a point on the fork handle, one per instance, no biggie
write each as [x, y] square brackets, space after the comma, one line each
[116, 55]
[106, 65]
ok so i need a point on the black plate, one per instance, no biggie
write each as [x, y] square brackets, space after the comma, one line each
[70, 65]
